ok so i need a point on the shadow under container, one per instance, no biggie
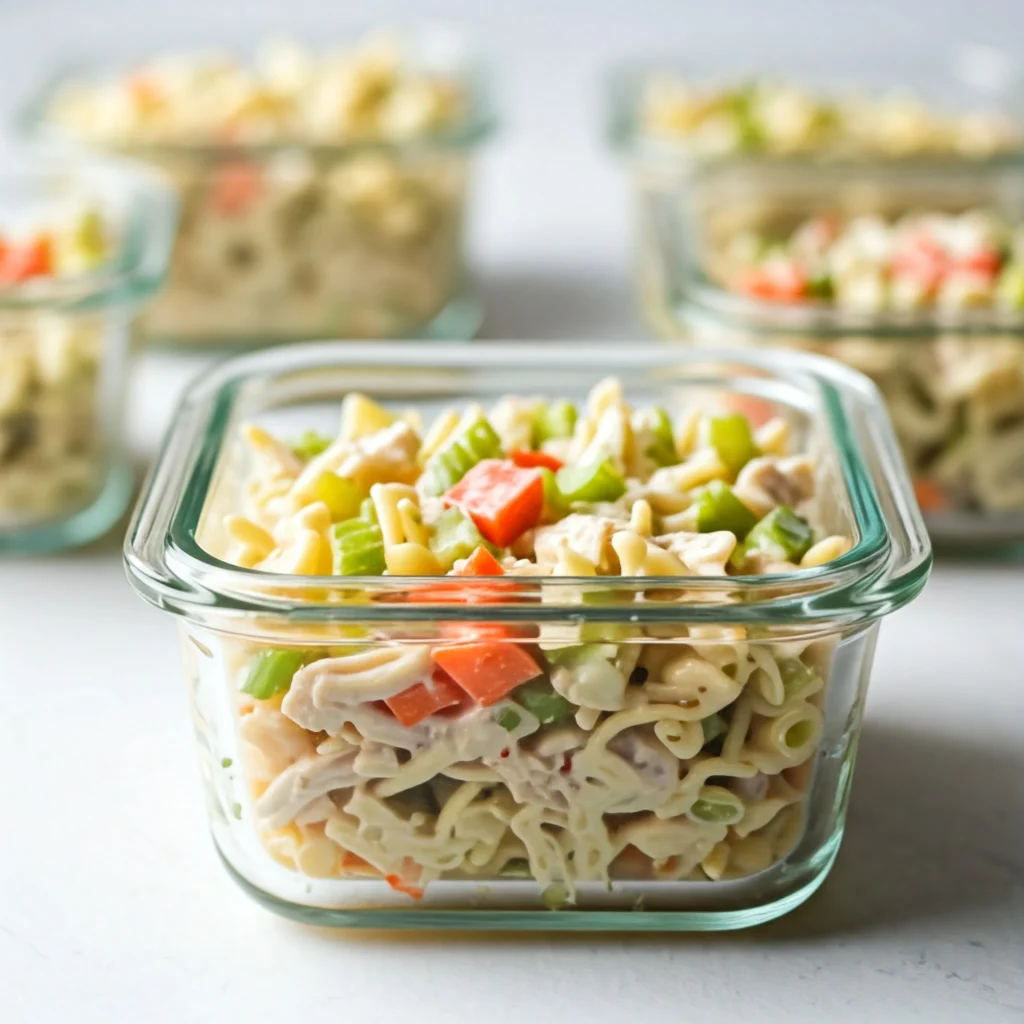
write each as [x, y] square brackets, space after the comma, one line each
[65, 472]
[634, 822]
[953, 379]
[293, 239]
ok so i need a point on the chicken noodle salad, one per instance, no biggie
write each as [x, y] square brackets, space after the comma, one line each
[957, 401]
[562, 752]
[312, 198]
[781, 118]
[51, 441]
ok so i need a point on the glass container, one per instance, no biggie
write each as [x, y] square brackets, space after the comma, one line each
[285, 239]
[327, 809]
[65, 473]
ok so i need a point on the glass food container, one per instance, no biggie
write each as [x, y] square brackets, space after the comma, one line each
[918, 291]
[83, 245]
[718, 807]
[322, 195]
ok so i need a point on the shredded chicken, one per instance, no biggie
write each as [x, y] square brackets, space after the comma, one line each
[303, 783]
[705, 554]
[768, 481]
[589, 536]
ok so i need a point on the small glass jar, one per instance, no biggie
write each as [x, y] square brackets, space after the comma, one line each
[65, 473]
[952, 374]
[285, 239]
[319, 810]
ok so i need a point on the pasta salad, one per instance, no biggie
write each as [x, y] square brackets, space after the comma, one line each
[51, 441]
[559, 752]
[312, 199]
[781, 118]
[957, 401]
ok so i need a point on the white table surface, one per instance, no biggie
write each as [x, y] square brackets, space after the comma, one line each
[113, 906]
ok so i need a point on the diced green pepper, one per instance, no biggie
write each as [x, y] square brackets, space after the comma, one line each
[541, 700]
[733, 439]
[508, 719]
[455, 536]
[342, 497]
[718, 508]
[310, 444]
[555, 505]
[447, 466]
[782, 530]
[662, 448]
[558, 419]
[358, 548]
[271, 673]
[595, 481]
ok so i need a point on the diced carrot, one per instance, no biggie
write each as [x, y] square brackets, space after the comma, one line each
[930, 496]
[352, 860]
[776, 282]
[396, 883]
[20, 263]
[535, 460]
[503, 499]
[423, 699]
[487, 670]
[922, 259]
[236, 186]
[481, 563]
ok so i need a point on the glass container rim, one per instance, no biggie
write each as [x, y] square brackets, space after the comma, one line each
[136, 269]
[169, 568]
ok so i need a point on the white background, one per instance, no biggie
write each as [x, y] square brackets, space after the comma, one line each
[112, 904]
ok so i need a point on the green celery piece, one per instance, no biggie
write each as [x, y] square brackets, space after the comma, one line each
[579, 654]
[733, 439]
[517, 867]
[455, 536]
[272, 672]
[1010, 287]
[555, 505]
[541, 700]
[797, 678]
[508, 719]
[597, 481]
[714, 726]
[358, 548]
[712, 812]
[718, 508]
[782, 530]
[310, 444]
[557, 419]
[343, 498]
[662, 448]
[820, 287]
[446, 467]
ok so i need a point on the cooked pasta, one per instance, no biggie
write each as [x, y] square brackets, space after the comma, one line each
[580, 753]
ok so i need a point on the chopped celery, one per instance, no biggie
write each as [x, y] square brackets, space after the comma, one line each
[541, 700]
[556, 896]
[558, 419]
[226, 762]
[517, 867]
[310, 444]
[272, 672]
[368, 511]
[555, 505]
[820, 287]
[733, 439]
[580, 653]
[508, 719]
[784, 531]
[358, 548]
[596, 481]
[342, 497]
[797, 678]
[1010, 287]
[718, 508]
[447, 466]
[712, 812]
[714, 726]
[662, 448]
[455, 536]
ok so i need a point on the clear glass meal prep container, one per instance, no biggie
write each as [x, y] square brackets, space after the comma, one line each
[65, 474]
[829, 616]
[302, 258]
[951, 377]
